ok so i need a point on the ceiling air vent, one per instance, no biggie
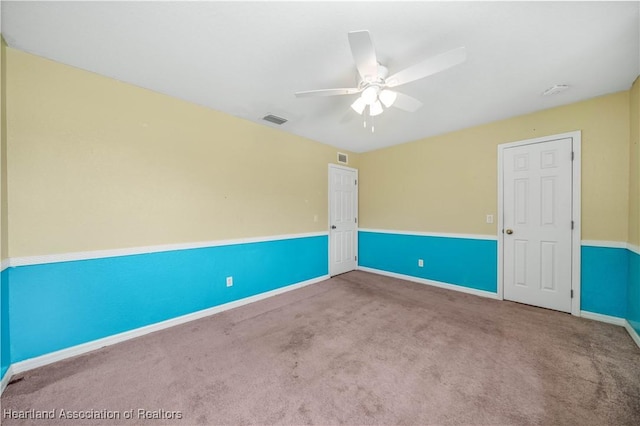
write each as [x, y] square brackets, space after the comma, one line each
[555, 89]
[275, 119]
[343, 158]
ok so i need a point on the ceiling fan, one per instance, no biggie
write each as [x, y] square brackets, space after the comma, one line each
[374, 83]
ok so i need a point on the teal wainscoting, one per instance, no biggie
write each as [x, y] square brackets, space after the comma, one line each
[59, 305]
[605, 274]
[633, 294]
[464, 262]
[5, 357]
[609, 275]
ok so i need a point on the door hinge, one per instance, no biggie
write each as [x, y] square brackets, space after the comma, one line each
[356, 182]
[357, 259]
[573, 155]
[572, 224]
[356, 220]
[572, 293]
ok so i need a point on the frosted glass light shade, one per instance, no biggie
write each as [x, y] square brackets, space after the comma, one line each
[370, 95]
[359, 105]
[375, 108]
[388, 97]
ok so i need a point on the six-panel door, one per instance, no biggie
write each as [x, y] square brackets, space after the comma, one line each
[343, 214]
[537, 224]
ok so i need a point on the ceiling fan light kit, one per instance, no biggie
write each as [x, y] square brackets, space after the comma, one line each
[375, 108]
[373, 84]
[370, 95]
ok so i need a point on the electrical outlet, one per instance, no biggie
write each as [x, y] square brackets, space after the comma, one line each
[229, 281]
[420, 263]
[489, 218]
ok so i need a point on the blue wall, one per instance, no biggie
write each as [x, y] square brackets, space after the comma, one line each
[605, 274]
[5, 358]
[59, 305]
[461, 261]
[633, 295]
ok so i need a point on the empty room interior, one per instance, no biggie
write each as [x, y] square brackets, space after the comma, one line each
[320, 212]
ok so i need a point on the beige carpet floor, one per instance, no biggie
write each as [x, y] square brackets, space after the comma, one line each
[356, 349]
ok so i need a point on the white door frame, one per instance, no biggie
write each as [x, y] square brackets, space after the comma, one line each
[330, 204]
[576, 137]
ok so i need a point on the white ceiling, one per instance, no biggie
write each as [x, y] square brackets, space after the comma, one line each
[248, 58]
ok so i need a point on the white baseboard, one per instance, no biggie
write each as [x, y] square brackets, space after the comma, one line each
[603, 318]
[439, 284]
[615, 321]
[6, 379]
[52, 357]
[632, 332]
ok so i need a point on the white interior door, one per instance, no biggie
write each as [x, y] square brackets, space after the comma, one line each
[537, 224]
[343, 219]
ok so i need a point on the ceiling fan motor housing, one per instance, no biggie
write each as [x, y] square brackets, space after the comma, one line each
[383, 72]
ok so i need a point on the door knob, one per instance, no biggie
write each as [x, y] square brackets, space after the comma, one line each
[509, 231]
[333, 227]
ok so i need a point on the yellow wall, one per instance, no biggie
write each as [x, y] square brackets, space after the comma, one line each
[99, 164]
[3, 155]
[634, 164]
[448, 183]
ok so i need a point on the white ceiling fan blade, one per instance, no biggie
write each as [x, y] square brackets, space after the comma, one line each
[364, 54]
[327, 92]
[428, 67]
[406, 102]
